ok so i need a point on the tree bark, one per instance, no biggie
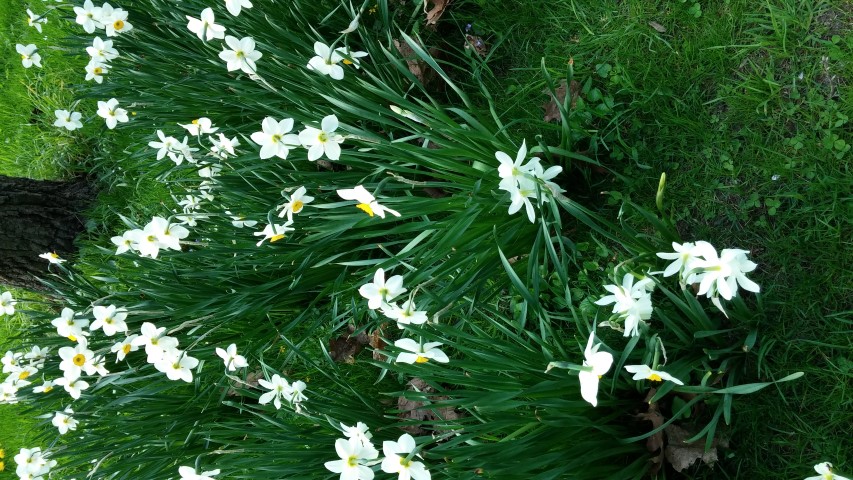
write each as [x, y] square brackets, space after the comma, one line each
[38, 216]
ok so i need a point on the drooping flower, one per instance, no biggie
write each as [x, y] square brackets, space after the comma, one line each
[352, 453]
[232, 360]
[7, 304]
[722, 275]
[189, 473]
[205, 27]
[274, 232]
[367, 202]
[353, 25]
[35, 21]
[600, 363]
[45, 387]
[644, 372]
[825, 471]
[199, 126]
[52, 257]
[520, 197]
[37, 356]
[296, 202]
[29, 55]
[350, 58]
[275, 138]
[398, 459]
[88, 16]
[110, 319]
[110, 112]
[223, 146]
[359, 431]
[240, 221]
[69, 120]
[64, 421]
[379, 292]
[632, 302]
[407, 314]
[417, 352]
[234, 6]
[324, 140]
[67, 326]
[242, 54]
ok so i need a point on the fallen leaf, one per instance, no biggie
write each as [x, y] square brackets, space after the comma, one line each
[660, 28]
[345, 347]
[251, 381]
[655, 442]
[414, 409]
[418, 68]
[681, 455]
[552, 109]
[477, 44]
[433, 14]
[378, 343]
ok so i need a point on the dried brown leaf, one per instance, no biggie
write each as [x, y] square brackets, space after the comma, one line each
[378, 343]
[414, 409]
[477, 44]
[345, 347]
[437, 10]
[552, 109]
[660, 28]
[655, 442]
[681, 454]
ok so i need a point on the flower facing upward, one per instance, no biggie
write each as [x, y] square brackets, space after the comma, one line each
[95, 70]
[407, 314]
[52, 257]
[242, 54]
[111, 113]
[273, 232]
[275, 138]
[416, 352]
[7, 304]
[632, 302]
[825, 471]
[205, 27]
[67, 326]
[295, 204]
[29, 56]
[111, 319]
[324, 140]
[189, 473]
[644, 372]
[600, 363]
[232, 360]
[76, 360]
[278, 388]
[88, 16]
[326, 61]
[64, 421]
[114, 20]
[102, 50]
[68, 120]
[380, 292]
[367, 202]
[398, 459]
[351, 453]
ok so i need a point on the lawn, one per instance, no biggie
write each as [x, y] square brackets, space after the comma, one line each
[743, 105]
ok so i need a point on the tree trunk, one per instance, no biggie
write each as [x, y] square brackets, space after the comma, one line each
[38, 216]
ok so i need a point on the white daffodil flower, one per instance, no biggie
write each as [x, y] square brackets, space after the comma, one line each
[76, 360]
[205, 27]
[168, 234]
[359, 432]
[352, 453]
[33, 464]
[102, 50]
[407, 314]
[509, 169]
[232, 360]
[96, 70]
[223, 146]
[155, 340]
[275, 138]
[164, 146]
[52, 257]
[350, 58]
[398, 459]
[7, 304]
[35, 21]
[111, 113]
[89, 16]
[417, 352]
[295, 203]
[353, 25]
[644, 372]
[825, 471]
[122, 348]
[199, 126]
[74, 386]
[322, 141]
[685, 256]
[64, 421]
[177, 365]
[632, 302]
[242, 54]
[29, 55]
[520, 197]
[189, 473]
[124, 242]
[234, 6]
[240, 221]
[67, 326]
[367, 202]
[379, 292]
[11, 361]
[600, 363]
[278, 388]
[537, 171]
[722, 275]
[111, 319]
[45, 387]
[68, 120]
[114, 20]
[37, 356]
[326, 61]
[405, 113]
[274, 232]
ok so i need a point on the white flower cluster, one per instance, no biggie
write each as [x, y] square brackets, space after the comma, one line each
[379, 294]
[523, 181]
[114, 22]
[19, 372]
[632, 303]
[33, 464]
[158, 234]
[280, 389]
[357, 454]
[717, 275]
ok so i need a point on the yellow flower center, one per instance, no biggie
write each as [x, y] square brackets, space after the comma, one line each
[347, 62]
[297, 206]
[365, 208]
[828, 476]
[239, 54]
[54, 255]
[79, 359]
[24, 57]
[352, 461]
[405, 462]
[322, 137]
[118, 24]
[108, 320]
[126, 348]
[98, 70]
[72, 338]
[276, 238]
[47, 389]
[24, 374]
[275, 138]
[421, 359]
[195, 122]
[655, 377]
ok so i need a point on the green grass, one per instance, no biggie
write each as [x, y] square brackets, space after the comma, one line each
[744, 108]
